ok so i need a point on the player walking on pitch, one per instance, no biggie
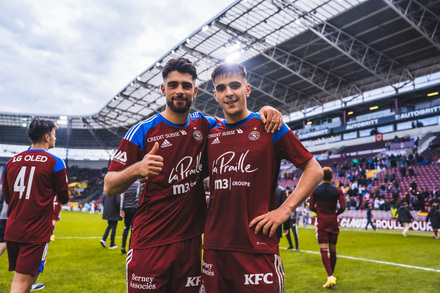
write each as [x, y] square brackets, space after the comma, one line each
[31, 179]
[323, 202]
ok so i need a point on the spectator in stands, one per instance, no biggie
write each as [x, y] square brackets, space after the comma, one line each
[396, 184]
[425, 161]
[376, 203]
[392, 160]
[404, 217]
[411, 171]
[381, 202]
[402, 170]
[410, 160]
[434, 216]
[424, 193]
[416, 143]
[417, 158]
[413, 185]
[393, 176]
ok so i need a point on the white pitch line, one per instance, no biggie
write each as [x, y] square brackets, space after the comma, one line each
[375, 261]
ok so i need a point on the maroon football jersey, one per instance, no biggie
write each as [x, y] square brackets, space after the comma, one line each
[172, 206]
[31, 180]
[244, 162]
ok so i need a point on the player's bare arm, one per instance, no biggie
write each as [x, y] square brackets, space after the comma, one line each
[117, 182]
[268, 223]
[272, 119]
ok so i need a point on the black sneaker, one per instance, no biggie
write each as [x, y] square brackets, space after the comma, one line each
[103, 243]
[37, 286]
[123, 250]
[113, 246]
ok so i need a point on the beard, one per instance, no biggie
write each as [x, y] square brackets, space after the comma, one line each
[179, 108]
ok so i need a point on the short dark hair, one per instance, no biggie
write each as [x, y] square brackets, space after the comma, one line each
[328, 174]
[181, 65]
[38, 128]
[228, 69]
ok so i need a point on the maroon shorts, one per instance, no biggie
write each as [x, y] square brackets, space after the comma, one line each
[27, 258]
[324, 236]
[230, 271]
[169, 268]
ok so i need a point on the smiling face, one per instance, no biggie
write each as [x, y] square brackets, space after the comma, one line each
[179, 90]
[231, 92]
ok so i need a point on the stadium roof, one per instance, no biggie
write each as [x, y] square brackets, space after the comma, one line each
[301, 55]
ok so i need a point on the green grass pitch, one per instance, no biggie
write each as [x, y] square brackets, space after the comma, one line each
[382, 261]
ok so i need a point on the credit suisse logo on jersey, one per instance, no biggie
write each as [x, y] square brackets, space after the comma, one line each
[168, 135]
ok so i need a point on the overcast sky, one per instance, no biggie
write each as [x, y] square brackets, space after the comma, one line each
[70, 57]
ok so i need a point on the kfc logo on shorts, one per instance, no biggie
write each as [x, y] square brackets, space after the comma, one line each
[197, 135]
[193, 281]
[255, 279]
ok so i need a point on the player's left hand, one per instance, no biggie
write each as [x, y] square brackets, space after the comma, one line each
[269, 222]
[272, 119]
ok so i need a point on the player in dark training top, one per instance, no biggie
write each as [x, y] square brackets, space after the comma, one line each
[31, 180]
[324, 202]
[240, 254]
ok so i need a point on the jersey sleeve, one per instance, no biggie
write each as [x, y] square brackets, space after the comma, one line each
[290, 147]
[61, 183]
[130, 150]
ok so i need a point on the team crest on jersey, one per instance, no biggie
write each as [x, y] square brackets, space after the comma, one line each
[254, 135]
[166, 144]
[216, 140]
[198, 135]
[120, 157]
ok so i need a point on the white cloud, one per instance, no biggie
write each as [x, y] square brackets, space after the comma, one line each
[71, 57]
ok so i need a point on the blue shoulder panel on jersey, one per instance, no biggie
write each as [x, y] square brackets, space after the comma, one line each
[212, 121]
[278, 134]
[137, 132]
[59, 165]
